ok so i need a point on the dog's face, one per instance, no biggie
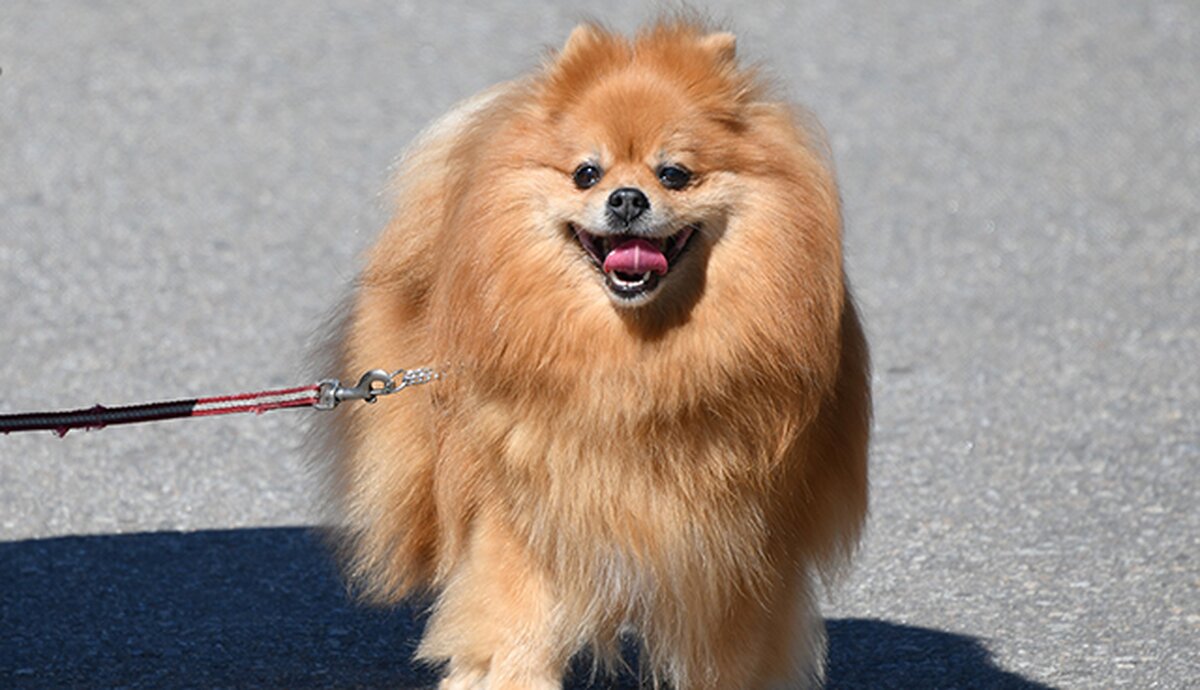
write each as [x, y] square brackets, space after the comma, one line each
[646, 170]
[640, 193]
[631, 239]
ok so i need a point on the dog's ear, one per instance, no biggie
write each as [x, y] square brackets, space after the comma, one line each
[581, 38]
[722, 45]
[590, 51]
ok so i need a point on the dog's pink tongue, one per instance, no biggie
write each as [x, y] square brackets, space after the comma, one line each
[635, 257]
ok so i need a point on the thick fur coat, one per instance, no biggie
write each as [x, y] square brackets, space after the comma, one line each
[685, 467]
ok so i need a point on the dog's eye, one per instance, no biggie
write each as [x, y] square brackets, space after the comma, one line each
[673, 177]
[586, 175]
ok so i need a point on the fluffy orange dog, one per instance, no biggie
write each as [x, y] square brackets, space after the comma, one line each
[655, 407]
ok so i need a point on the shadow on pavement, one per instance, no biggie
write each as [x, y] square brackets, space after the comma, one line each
[877, 654]
[265, 608]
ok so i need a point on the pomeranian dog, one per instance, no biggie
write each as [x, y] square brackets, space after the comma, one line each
[652, 420]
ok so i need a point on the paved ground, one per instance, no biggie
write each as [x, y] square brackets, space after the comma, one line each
[184, 188]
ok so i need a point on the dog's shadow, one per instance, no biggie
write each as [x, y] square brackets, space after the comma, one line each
[264, 608]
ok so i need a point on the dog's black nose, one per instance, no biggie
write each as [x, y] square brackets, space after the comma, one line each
[627, 203]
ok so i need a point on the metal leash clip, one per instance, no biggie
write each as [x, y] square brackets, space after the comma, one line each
[370, 386]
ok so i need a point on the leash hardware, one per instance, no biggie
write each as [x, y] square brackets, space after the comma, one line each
[370, 386]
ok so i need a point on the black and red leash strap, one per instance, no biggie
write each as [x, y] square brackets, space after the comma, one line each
[324, 395]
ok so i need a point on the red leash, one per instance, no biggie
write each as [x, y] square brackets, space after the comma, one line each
[324, 395]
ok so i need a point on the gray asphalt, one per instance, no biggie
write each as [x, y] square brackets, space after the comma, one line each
[185, 189]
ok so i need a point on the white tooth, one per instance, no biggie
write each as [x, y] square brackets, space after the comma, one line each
[646, 276]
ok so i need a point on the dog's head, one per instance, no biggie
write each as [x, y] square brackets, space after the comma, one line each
[632, 187]
[643, 136]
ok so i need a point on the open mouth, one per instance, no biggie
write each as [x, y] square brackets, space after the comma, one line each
[633, 265]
